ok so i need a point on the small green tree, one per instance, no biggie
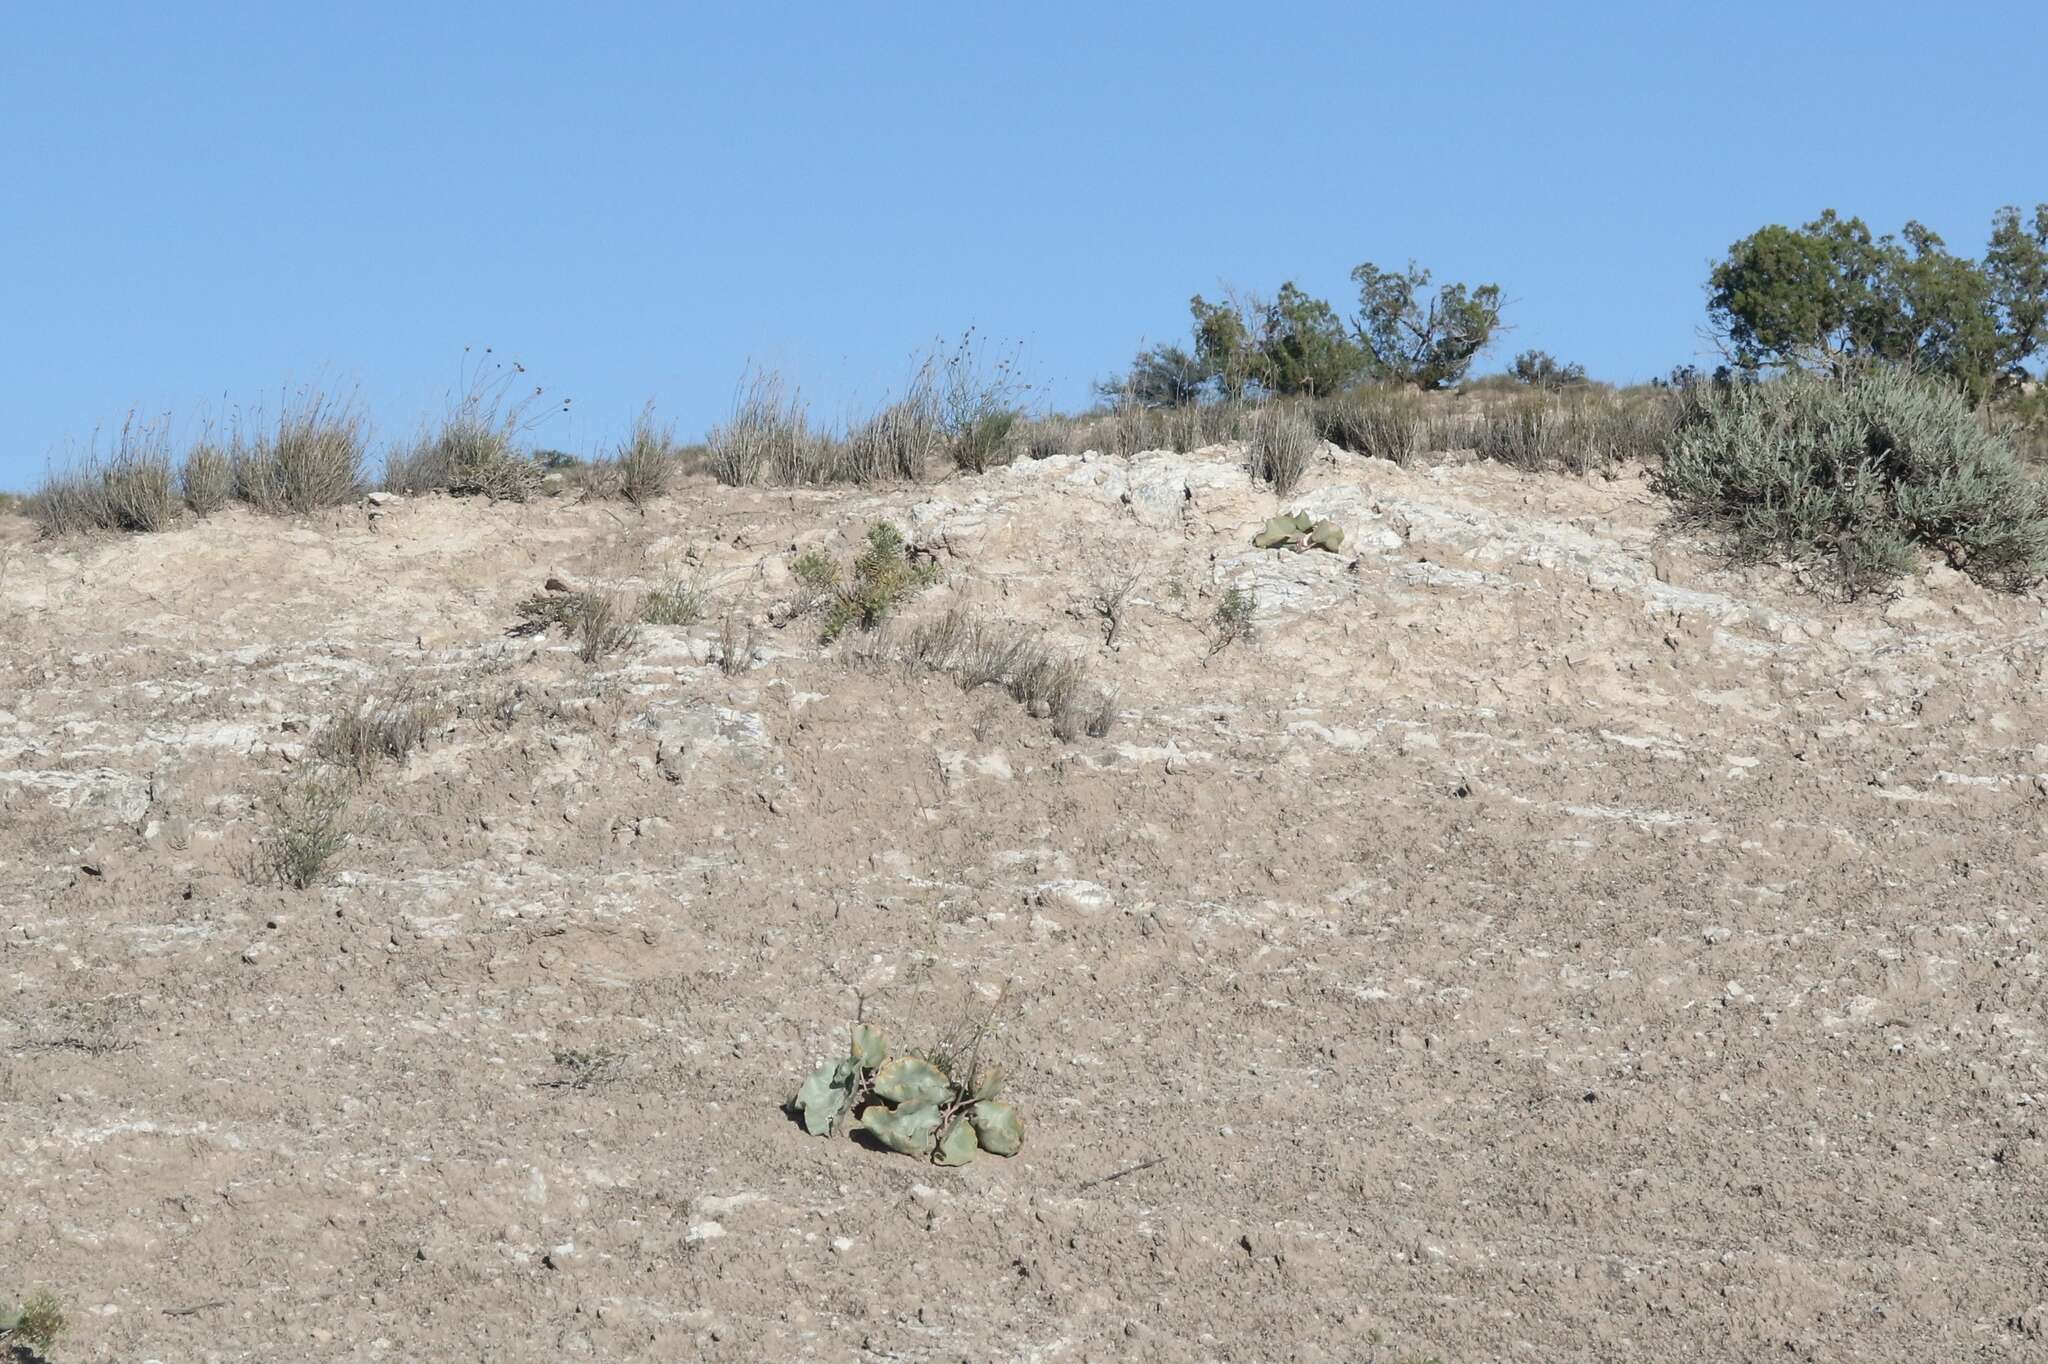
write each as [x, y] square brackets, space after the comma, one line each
[1303, 347]
[1161, 376]
[1426, 341]
[2016, 264]
[1541, 369]
[1830, 296]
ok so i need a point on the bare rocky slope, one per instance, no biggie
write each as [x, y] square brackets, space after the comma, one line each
[1539, 943]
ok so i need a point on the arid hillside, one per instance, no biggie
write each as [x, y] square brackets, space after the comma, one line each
[1527, 940]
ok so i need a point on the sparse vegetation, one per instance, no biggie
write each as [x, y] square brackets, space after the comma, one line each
[978, 405]
[735, 644]
[1860, 471]
[601, 622]
[940, 1107]
[1112, 593]
[680, 598]
[980, 651]
[1234, 620]
[605, 624]
[35, 1324]
[1377, 423]
[309, 825]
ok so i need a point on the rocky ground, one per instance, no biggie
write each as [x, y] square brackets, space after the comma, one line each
[1537, 943]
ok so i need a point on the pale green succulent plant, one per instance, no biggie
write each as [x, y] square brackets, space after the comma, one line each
[1299, 531]
[909, 1103]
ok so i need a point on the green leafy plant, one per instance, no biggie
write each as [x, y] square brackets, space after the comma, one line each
[940, 1107]
[883, 576]
[36, 1323]
[1299, 531]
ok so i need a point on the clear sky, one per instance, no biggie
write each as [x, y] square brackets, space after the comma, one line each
[203, 203]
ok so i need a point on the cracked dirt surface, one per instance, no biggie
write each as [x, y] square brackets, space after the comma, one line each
[1537, 944]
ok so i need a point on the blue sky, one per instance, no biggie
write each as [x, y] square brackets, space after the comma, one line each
[204, 203]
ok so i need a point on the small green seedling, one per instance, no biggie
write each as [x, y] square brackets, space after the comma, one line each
[910, 1104]
[1299, 531]
[36, 1323]
[883, 576]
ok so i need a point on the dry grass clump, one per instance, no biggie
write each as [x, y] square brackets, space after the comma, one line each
[605, 625]
[1572, 432]
[735, 644]
[980, 651]
[477, 451]
[1281, 446]
[600, 622]
[206, 480]
[1375, 423]
[312, 458]
[646, 463]
[130, 488]
[374, 729]
[768, 430]
[898, 442]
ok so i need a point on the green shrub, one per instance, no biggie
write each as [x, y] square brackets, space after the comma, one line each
[1234, 621]
[309, 826]
[1830, 296]
[883, 576]
[817, 578]
[1541, 369]
[1859, 470]
[679, 599]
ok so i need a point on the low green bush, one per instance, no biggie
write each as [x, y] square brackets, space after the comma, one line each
[1863, 472]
